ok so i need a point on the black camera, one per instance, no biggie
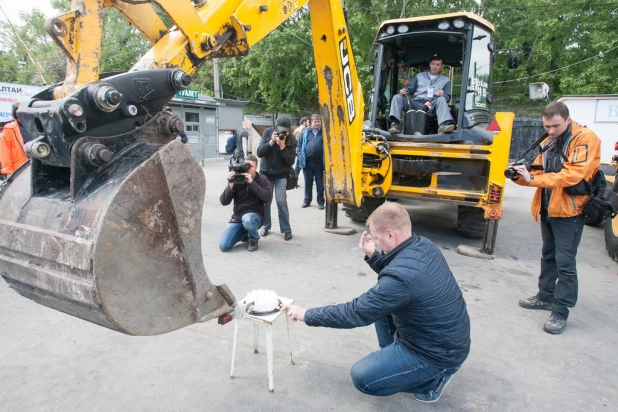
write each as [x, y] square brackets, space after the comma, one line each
[511, 172]
[239, 166]
[282, 134]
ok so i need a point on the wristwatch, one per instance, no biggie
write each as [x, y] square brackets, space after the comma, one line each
[531, 177]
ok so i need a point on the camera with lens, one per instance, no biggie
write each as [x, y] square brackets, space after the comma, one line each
[511, 172]
[239, 166]
[282, 134]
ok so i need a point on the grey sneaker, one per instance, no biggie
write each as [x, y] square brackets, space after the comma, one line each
[287, 235]
[263, 232]
[555, 324]
[433, 395]
[446, 128]
[252, 246]
[395, 128]
[535, 303]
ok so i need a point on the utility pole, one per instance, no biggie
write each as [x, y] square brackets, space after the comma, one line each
[37, 66]
[217, 85]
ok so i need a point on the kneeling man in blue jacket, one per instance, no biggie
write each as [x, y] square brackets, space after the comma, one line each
[419, 312]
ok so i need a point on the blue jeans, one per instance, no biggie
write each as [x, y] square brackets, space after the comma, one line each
[393, 369]
[558, 279]
[310, 171]
[235, 231]
[281, 198]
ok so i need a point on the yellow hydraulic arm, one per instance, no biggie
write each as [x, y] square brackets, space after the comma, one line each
[224, 28]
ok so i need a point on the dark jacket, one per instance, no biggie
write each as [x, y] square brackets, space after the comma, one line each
[417, 288]
[310, 147]
[276, 161]
[248, 198]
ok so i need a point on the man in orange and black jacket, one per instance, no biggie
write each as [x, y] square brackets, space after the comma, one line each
[570, 153]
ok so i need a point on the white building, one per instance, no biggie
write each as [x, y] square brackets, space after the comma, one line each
[599, 113]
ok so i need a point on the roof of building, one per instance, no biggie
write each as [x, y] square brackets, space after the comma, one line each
[587, 96]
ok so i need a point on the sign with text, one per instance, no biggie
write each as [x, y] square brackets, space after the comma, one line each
[188, 94]
[11, 93]
[607, 111]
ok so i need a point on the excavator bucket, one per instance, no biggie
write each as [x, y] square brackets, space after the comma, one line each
[115, 237]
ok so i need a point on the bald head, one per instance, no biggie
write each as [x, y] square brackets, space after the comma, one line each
[390, 226]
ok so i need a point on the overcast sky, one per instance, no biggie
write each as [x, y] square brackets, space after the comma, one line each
[13, 7]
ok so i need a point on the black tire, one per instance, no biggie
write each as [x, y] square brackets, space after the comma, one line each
[360, 214]
[611, 237]
[471, 222]
[611, 231]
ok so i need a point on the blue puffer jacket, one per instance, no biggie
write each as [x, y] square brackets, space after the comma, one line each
[416, 287]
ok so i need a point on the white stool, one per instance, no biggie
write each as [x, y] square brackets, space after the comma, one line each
[267, 321]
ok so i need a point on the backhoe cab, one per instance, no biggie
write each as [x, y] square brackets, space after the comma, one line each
[464, 167]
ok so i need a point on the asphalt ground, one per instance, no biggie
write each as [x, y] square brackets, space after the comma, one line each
[50, 361]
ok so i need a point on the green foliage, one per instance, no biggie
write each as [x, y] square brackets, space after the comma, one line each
[16, 65]
[561, 49]
[123, 45]
[279, 72]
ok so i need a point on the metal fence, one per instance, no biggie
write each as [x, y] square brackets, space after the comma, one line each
[525, 131]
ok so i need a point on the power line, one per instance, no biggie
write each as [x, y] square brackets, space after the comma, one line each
[39, 69]
[600, 54]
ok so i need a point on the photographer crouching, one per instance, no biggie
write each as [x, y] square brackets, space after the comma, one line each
[570, 155]
[250, 191]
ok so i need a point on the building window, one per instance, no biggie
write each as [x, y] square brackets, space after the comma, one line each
[192, 117]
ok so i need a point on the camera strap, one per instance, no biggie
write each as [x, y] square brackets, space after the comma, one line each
[537, 145]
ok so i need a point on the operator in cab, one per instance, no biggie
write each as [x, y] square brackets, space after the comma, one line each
[432, 87]
[570, 154]
[250, 191]
[417, 307]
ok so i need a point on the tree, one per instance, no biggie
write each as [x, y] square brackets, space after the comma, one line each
[562, 49]
[279, 73]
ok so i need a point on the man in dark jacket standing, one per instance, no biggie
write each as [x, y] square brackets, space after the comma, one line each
[419, 312]
[278, 152]
[249, 198]
[310, 153]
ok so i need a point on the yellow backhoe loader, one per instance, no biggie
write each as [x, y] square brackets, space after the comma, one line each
[104, 220]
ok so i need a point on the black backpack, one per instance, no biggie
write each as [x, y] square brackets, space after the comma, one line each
[603, 201]
[230, 145]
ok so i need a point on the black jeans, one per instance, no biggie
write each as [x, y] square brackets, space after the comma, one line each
[311, 171]
[558, 279]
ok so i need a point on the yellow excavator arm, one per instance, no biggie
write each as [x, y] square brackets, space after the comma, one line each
[104, 221]
[226, 28]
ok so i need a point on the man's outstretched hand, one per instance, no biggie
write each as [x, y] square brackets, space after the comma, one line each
[366, 244]
[295, 312]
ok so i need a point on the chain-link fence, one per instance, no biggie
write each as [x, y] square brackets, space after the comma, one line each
[525, 131]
